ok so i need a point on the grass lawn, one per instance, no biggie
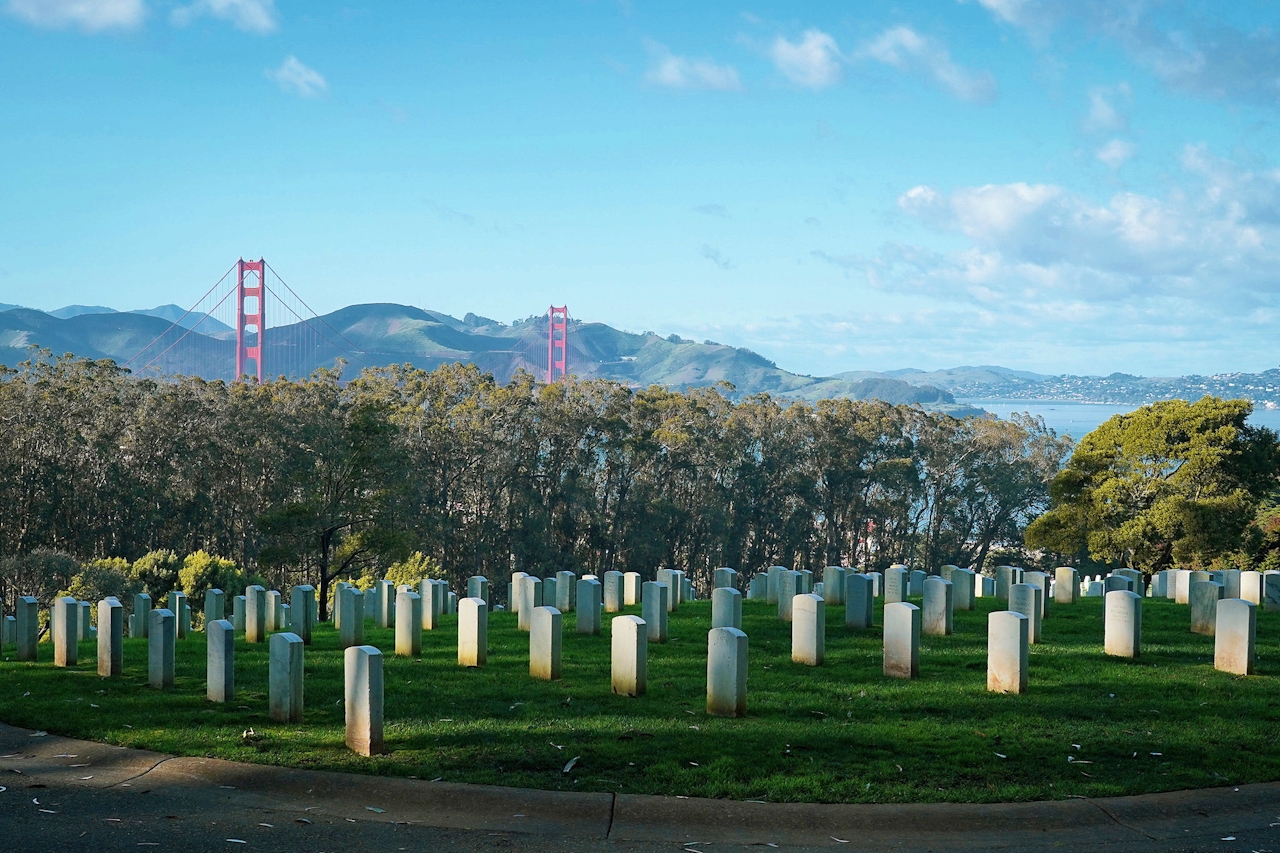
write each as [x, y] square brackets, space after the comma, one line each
[838, 733]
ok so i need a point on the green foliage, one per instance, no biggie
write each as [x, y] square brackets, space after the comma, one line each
[416, 567]
[316, 480]
[1173, 483]
[41, 574]
[157, 571]
[202, 571]
[112, 576]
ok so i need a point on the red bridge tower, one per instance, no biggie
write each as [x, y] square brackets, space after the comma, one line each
[250, 310]
[557, 340]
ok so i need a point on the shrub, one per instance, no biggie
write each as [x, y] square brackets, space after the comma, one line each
[158, 573]
[112, 576]
[203, 571]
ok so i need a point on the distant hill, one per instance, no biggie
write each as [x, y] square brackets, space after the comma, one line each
[978, 384]
[69, 311]
[383, 333]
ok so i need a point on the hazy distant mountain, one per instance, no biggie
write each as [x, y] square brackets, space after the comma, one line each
[177, 314]
[69, 311]
[381, 334]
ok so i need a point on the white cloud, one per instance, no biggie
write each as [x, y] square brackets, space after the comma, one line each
[1180, 45]
[680, 72]
[813, 61]
[1116, 152]
[905, 49]
[253, 16]
[1201, 256]
[87, 15]
[297, 79]
[1105, 113]
[716, 257]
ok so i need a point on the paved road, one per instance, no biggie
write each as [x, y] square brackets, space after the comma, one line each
[68, 795]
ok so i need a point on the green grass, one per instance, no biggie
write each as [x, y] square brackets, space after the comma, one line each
[838, 733]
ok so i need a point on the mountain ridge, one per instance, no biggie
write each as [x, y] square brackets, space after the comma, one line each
[374, 334]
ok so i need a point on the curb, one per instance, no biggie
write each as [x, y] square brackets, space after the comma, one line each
[1182, 815]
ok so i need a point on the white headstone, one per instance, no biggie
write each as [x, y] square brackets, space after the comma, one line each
[916, 583]
[220, 661]
[1066, 585]
[1006, 576]
[110, 637]
[726, 672]
[1204, 598]
[939, 601]
[408, 618]
[963, 583]
[611, 592]
[1024, 598]
[27, 618]
[528, 598]
[630, 655]
[726, 607]
[1008, 636]
[1235, 636]
[631, 583]
[590, 594]
[544, 644]
[384, 596]
[473, 632]
[215, 606]
[1040, 579]
[833, 584]
[513, 592]
[859, 600]
[285, 662]
[350, 617]
[1123, 624]
[273, 612]
[724, 577]
[788, 589]
[1182, 586]
[240, 613]
[1271, 591]
[567, 591]
[302, 611]
[808, 629]
[478, 587]
[654, 610]
[255, 614]
[162, 637]
[362, 681]
[901, 640]
[895, 585]
[64, 625]
[141, 618]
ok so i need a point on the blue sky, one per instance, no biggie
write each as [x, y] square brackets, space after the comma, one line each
[1055, 185]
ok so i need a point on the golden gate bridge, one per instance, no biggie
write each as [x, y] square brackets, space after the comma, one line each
[252, 325]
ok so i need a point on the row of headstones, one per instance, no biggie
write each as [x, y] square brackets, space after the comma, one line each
[1026, 594]
[614, 590]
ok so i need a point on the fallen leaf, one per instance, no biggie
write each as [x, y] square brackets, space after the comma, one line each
[236, 841]
[570, 764]
[998, 755]
[373, 809]
[839, 840]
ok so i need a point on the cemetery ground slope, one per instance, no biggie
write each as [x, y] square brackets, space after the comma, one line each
[1090, 726]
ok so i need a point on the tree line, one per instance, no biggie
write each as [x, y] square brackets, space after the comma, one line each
[324, 479]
